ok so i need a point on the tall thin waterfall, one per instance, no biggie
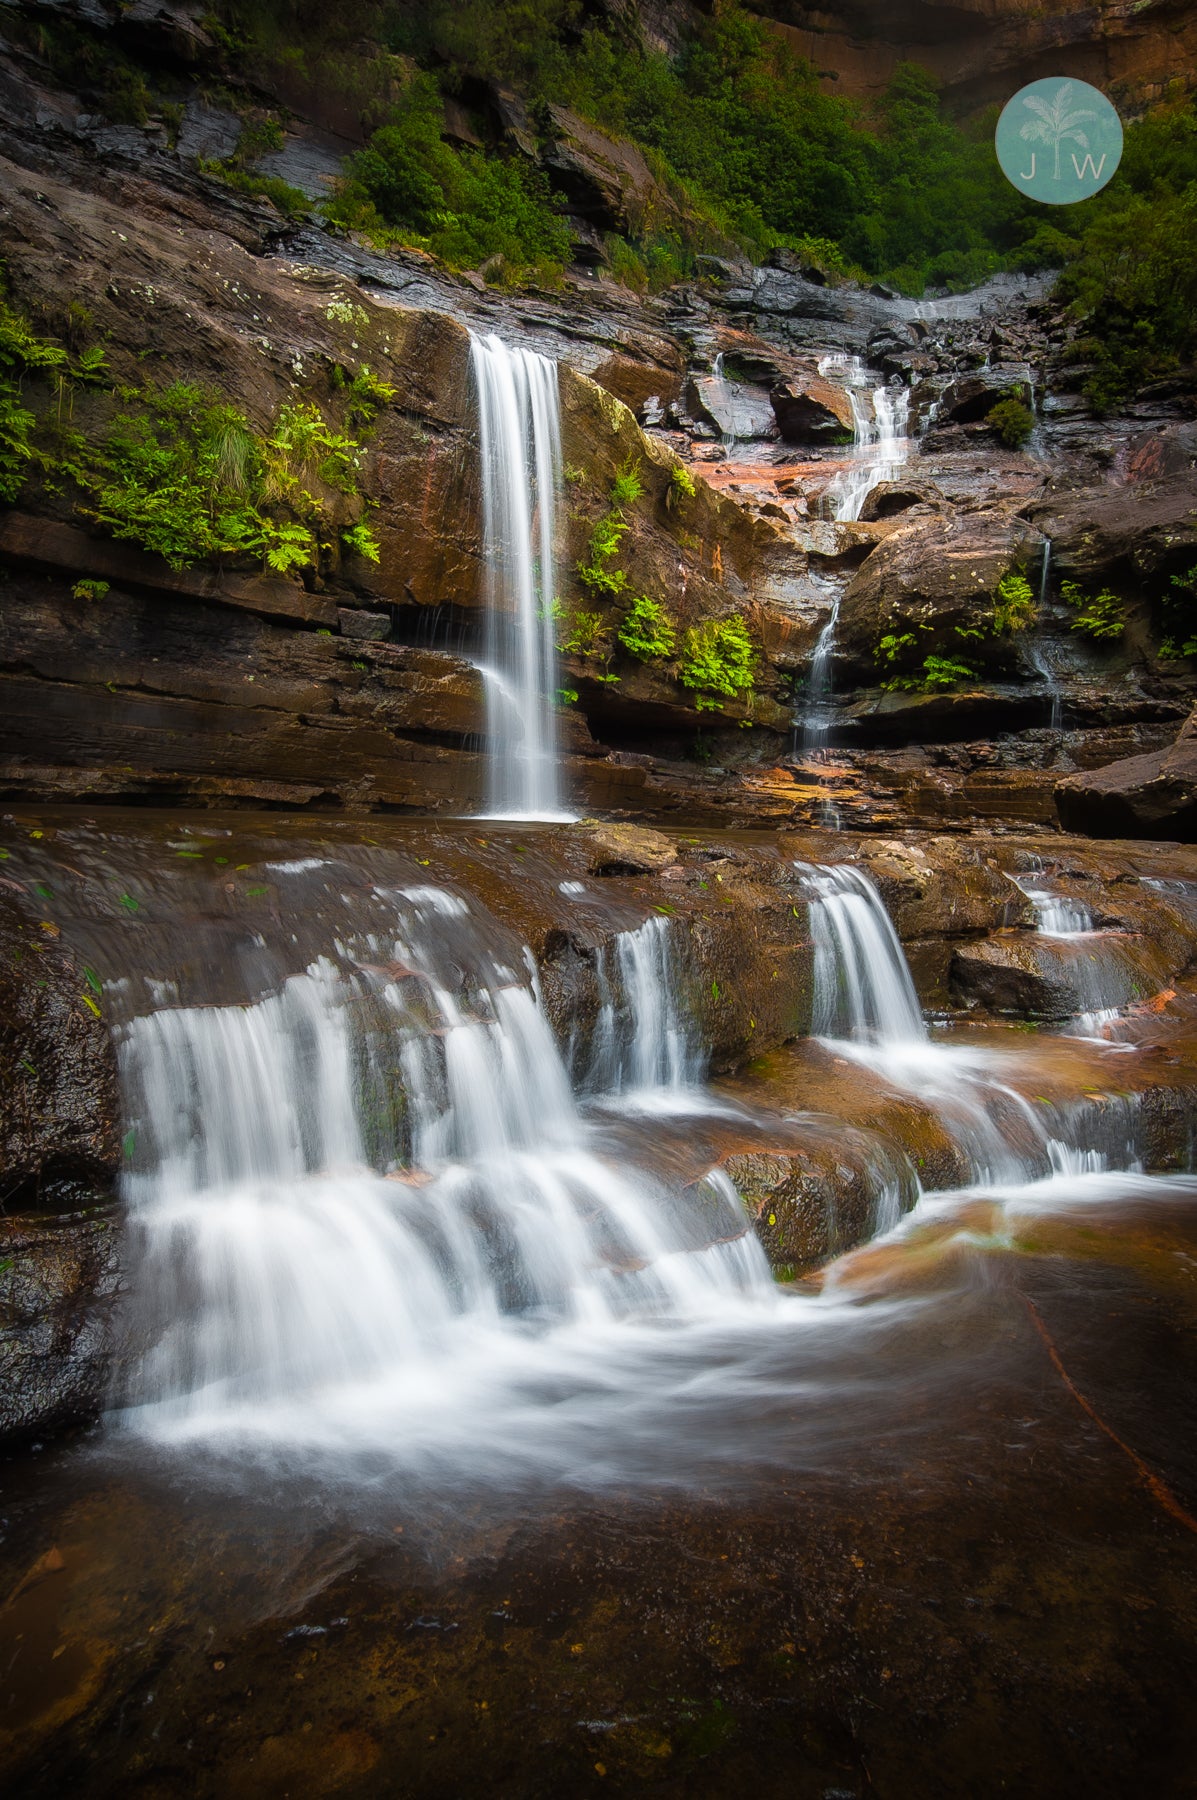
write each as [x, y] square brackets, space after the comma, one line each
[282, 1285]
[519, 431]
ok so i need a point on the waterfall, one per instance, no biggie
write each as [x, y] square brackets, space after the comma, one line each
[643, 1042]
[865, 1004]
[879, 430]
[880, 444]
[519, 433]
[286, 1277]
[1054, 915]
[863, 986]
[1037, 654]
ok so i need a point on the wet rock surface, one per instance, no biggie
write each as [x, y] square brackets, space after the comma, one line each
[59, 1280]
[1148, 796]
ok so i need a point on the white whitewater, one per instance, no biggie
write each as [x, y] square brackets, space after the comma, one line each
[519, 433]
[863, 986]
[866, 1008]
[284, 1289]
[880, 426]
[644, 1043]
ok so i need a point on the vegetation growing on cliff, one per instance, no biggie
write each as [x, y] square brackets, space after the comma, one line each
[180, 471]
[718, 657]
[1130, 275]
[737, 129]
[1100, 615]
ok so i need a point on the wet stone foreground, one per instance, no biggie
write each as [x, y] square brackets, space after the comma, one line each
[916, 1518]
[931, 1559]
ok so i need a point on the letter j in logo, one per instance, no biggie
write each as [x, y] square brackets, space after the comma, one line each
[1059, 140]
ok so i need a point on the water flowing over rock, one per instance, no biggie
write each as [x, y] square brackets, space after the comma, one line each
[519, 433]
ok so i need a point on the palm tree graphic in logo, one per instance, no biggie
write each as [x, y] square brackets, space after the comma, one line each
[1054, 124]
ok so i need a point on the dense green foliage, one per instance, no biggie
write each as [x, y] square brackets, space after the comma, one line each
[1130, 275]
[1100, 615]
[1013, 421]
[647, 631]
[408, 184]
[718, 657]
[179, 470]
[1014, 606]
[740, 132]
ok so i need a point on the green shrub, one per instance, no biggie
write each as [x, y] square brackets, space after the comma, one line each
[1014, 606]
[1013, 421]
[681, 485]
[1101, 615]
[647, 631]
[718, 657]
[89, 590]
[464, 206]
[627, 486]
[586, 635]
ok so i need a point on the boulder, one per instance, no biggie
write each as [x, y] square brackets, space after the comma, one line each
[973, 397]
[810, 410]
[60, 1124]
[627, 850]
[1040, 977]
[607, 180]
[1153, 796]
[58, 1281]
[889, 498]
[932, 580]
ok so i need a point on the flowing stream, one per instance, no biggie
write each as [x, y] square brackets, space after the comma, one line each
[519, 435]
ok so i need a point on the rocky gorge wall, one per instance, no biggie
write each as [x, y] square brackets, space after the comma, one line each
[355, 688]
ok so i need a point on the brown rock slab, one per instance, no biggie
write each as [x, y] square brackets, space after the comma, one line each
[810, 410]
[627, 850]
[1153, 796]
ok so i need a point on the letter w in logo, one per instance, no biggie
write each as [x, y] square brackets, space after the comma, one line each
[1089, 167]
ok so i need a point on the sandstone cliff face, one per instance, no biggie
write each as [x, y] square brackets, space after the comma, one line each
[985, 50]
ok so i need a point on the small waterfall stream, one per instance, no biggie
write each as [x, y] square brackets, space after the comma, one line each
[880, 421]
[867, 1008]
[519, 432]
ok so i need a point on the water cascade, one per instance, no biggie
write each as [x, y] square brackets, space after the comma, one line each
[863, 986]
[352, 1196]
[1036, 651]
[880, 422]
[866, 1007]
[643, 1042]
[519, 432]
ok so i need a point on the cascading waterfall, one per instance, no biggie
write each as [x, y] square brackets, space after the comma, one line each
[519, 432]
[284, 1287]
[1055, 916]
[880, 423]
[863, 985]
[644, 1044]
[865, 1003]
